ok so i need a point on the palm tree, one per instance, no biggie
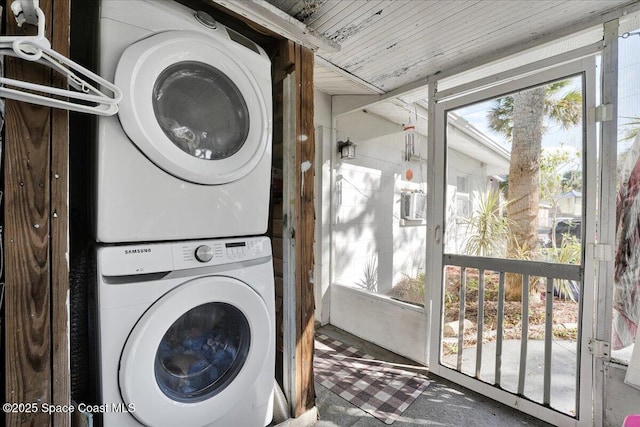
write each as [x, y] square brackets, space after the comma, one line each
[521, 118]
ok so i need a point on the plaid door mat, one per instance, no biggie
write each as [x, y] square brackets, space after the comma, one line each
[377, 387]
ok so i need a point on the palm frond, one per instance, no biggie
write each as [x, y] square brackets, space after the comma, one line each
[567, 110]
[501, 116]
[553, 88]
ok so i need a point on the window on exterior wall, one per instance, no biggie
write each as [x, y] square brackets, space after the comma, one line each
[463, 202]
[462, 182]
[463, 205]
[626, 310]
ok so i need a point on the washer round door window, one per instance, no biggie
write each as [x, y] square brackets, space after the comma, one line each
[191, 108]
[202, 352]
[195, 352]
[201, 110]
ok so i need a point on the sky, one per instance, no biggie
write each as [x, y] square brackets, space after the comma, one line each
[555, 137]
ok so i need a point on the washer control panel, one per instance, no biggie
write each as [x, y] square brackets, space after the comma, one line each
[216, 252]
[127, 260]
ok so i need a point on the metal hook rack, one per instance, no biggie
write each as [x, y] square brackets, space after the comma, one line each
[86, 96]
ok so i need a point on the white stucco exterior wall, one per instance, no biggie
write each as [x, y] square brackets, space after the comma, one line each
[373, 250]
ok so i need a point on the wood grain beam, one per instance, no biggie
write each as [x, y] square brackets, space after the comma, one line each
[37, 364]
[59, 225]
[304, 231]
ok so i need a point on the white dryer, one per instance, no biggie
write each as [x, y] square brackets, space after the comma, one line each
[189, 154]
[186, 333]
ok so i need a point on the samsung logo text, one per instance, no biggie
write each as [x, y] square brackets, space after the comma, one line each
[137, 251]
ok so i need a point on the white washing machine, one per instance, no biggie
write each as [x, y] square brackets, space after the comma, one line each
[186, 333]
[189, 154]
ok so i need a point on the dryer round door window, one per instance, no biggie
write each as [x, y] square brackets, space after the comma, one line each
[201, 110]
[192, 108]
[193, 354]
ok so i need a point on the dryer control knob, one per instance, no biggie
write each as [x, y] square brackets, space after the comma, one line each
[204, 253]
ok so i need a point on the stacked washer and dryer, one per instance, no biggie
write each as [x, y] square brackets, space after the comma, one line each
[185, 293]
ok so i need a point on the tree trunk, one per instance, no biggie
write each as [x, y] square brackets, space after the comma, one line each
[524, 182]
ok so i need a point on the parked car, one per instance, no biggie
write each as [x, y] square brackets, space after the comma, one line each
[570, 226]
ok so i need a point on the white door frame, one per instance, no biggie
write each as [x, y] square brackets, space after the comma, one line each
[435, 248]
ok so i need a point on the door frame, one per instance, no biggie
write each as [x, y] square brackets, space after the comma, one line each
[435, 249]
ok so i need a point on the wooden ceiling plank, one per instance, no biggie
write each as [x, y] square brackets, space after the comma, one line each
[383, 53]
[329, 13]
[354, 18]
[458, 49]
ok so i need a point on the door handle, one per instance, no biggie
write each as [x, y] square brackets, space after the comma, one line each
[437, 234]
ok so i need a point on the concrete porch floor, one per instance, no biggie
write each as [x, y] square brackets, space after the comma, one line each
[443, 403]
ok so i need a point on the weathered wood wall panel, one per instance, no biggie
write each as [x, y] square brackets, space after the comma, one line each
[292, 223]
[37, 367]
[27, 298]
[278, 264]
[304, 231]
[279, 66]
[59, 213]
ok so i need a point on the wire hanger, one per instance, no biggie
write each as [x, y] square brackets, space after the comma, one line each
[86, 97]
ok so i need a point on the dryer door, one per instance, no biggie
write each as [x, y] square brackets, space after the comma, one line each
[195, 352]
[192, 109]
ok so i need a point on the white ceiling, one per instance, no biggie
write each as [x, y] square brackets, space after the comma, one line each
[385, 45]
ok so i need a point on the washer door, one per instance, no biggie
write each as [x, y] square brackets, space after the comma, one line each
[192, 109]
[195, 352]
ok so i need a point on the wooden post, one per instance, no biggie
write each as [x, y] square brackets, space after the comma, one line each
[59, 228]
[293, 227]
[304, 231]
[36, 238]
